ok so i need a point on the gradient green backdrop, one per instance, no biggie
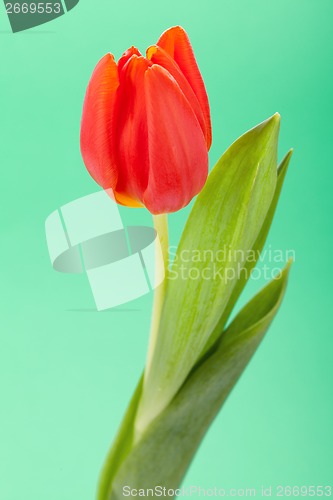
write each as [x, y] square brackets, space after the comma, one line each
[66, 371]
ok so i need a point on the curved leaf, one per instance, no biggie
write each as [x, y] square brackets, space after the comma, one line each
[228, 213]
[165, 451]
[256, 250]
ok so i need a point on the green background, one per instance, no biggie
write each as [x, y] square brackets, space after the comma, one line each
[66, 371]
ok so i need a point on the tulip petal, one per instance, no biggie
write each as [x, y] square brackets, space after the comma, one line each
[96, 125]
[178, 159]
[177, 44]
[131, 132]
[159, 56]
[126, 56]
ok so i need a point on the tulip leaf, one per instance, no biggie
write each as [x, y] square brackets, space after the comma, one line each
[120, 448]
[124, 441]
[166, 449]
[256, 250]
[227, 214]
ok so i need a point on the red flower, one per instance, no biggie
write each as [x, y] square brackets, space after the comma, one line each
[146, 125]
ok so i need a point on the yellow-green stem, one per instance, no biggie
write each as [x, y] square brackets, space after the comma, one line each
[161, 227]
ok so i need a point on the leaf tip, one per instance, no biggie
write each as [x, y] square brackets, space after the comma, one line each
[289, 264]
[269, 130]
[283, 167]
[288, 156]
[274, 121]
[284, 273]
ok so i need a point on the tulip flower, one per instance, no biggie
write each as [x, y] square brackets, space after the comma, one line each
[146, 127]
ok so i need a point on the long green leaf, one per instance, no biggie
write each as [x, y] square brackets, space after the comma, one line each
[165, 451]
[124, 440]
[228, 213]
[120, 448]
[256, 250]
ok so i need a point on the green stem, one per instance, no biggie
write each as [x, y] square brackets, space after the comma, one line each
[161, 227]
[126, 436]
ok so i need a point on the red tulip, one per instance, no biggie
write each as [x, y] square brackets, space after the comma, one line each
[146, 126]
